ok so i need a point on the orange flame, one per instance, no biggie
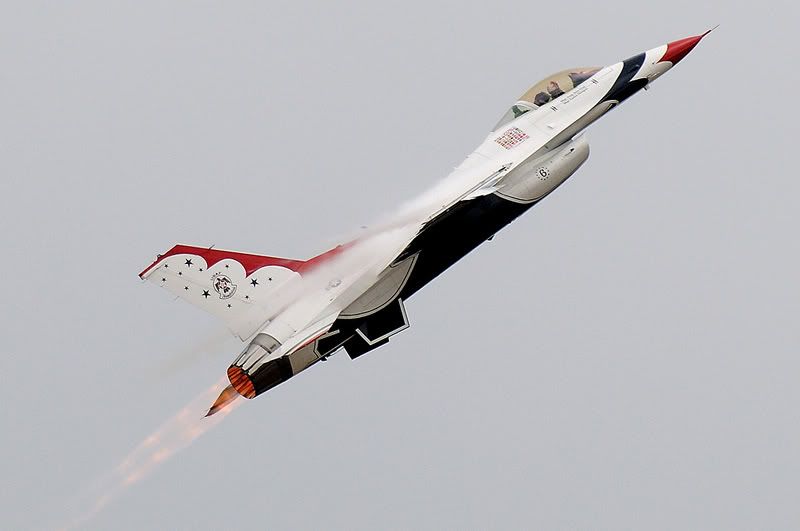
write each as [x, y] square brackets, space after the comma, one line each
[174, 435]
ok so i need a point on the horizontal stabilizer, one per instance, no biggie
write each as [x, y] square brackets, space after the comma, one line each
[241, 289]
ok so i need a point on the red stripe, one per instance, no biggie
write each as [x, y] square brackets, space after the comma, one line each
[250, 262]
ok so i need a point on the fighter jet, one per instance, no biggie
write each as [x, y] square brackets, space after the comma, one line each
[295, 313]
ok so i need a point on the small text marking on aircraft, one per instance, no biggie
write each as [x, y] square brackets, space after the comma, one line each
[511, 137]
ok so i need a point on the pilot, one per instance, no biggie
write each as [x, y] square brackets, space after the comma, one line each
[554, 90]
[541, 99]
[579, 77]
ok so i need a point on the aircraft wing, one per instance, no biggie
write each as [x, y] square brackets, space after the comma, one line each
[243, 290]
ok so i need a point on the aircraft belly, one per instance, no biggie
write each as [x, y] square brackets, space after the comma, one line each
[460, 231]
[441, 244]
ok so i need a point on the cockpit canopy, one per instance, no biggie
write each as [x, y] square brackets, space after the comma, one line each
[547, 89]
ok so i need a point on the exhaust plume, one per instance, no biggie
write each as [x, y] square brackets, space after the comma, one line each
[174, 435]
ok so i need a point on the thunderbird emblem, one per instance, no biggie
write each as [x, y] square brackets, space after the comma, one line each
[223, 285]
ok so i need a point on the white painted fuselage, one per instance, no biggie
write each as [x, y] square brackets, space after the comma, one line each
[352, 296]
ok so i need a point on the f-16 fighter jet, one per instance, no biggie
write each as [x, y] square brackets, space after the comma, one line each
[294, 313]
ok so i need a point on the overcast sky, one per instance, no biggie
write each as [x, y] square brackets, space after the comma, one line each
[624, 356]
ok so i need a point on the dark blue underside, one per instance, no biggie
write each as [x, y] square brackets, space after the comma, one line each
[442, 243]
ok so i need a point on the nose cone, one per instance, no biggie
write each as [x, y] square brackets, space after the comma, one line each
[677, 50]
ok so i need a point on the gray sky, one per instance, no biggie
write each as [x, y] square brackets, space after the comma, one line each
[622, 357]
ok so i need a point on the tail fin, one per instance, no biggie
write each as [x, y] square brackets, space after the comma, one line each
[236, 287]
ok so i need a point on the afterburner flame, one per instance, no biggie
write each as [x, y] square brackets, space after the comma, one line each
[228, 395]
[174, 435]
